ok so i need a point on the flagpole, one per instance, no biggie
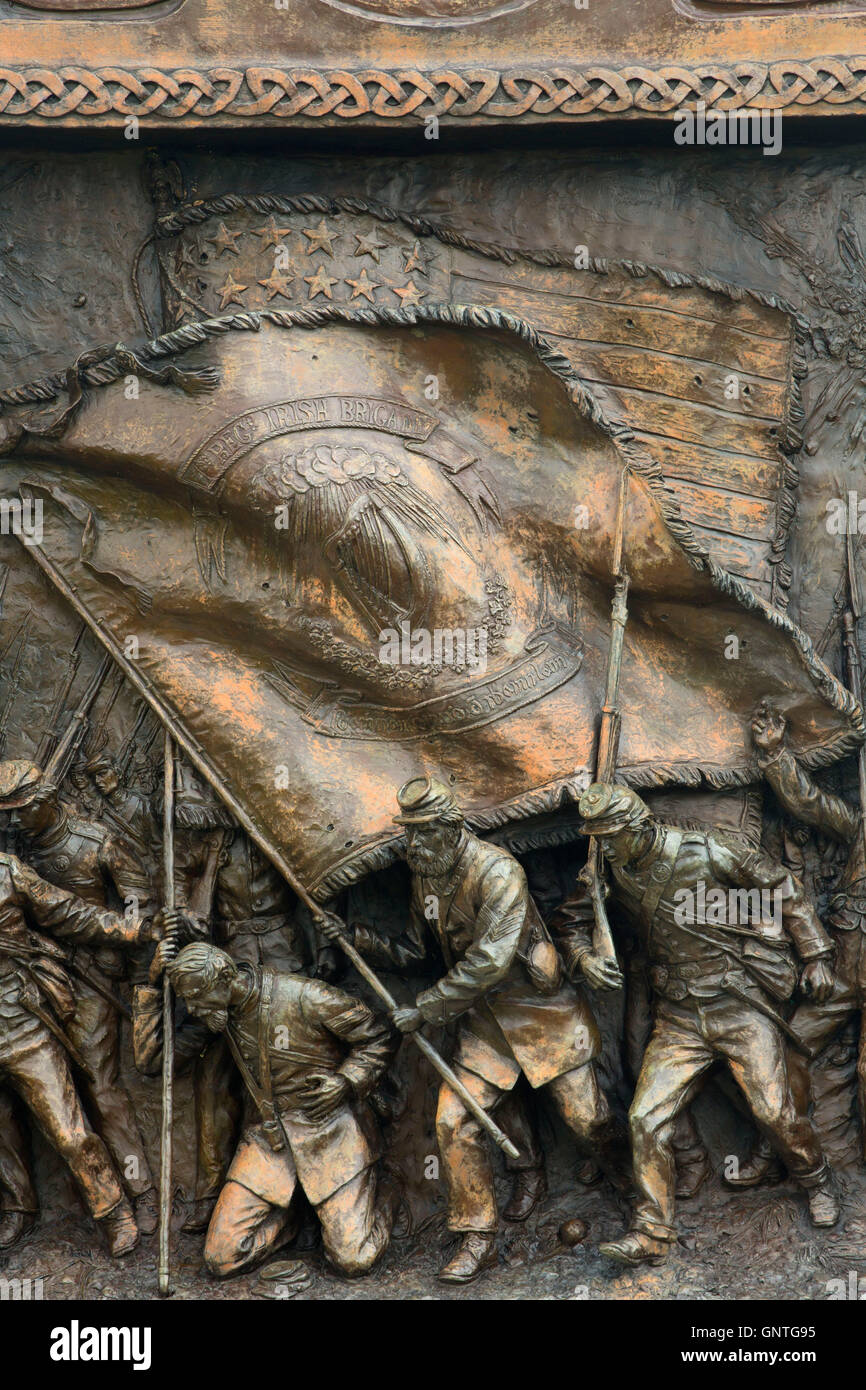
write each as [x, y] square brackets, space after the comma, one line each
[165, 1147]
[609, 727]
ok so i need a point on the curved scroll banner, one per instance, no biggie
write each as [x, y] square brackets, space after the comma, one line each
[430, 13]
[328, 582]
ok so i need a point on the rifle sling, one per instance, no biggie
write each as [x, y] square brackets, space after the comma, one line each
[262, 1094]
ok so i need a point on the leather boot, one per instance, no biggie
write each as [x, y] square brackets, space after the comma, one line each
[693, 1169]
[823, 1197]
[14, 1226]
[146, 1208]
[527, 1191]
[635, 1248]
[477, 1252]
[198, 1215]
[761, 1167]
[121, 1232]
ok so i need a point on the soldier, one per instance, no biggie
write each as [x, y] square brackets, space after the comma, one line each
[813, 1021]
[237, 895]
[124, 808]
[36, 1001]
[18, 1202]
[503, 983]
[714, 986]
[85, 858]
[310, 1055]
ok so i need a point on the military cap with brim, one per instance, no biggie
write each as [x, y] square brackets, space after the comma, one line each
[423, 799]
[19, 780]
[606, 809]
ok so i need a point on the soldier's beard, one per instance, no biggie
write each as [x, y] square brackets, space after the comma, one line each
[215, 1019]
[430, 864]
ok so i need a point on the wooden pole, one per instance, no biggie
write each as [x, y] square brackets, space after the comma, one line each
[165, 1147]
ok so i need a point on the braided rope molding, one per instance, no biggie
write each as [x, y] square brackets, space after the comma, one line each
[54, 94]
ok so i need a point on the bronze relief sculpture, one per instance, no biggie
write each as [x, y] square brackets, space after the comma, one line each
[432, 752]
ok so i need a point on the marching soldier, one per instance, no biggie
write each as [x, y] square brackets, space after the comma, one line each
[813, 1021]
[503, 984]
[310, 1055]
[36, 1002]
[83, 857]
[715, 987]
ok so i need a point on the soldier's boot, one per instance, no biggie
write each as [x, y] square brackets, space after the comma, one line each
[635, 1248]
[476, 1252]
[120, 1230]
[198, 1215]
[588, 1173]
[14, 1226]
[761, 1167]
[693, 1169]
[528, 1188]
[146, 1208]
[823, 1197]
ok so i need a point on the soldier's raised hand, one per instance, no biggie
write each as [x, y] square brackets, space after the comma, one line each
[601, 972]
[768, 728]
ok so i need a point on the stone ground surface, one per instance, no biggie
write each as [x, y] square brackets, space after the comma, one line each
[756, 1245]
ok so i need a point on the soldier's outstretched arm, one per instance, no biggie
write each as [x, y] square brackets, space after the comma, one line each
[122, 868]
[395, 952]
[805, 800]
[490, 957]
[65, 915]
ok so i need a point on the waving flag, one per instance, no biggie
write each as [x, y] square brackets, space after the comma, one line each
[380, 545]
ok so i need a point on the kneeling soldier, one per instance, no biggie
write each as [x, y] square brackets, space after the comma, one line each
[309, 1054]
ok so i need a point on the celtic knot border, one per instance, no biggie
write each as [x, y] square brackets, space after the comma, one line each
[309, 94]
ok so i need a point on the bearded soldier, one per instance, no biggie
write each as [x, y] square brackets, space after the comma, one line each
[503, 985]
[715, 985]
[36, 1002]
[310, 1055]
[82, 856]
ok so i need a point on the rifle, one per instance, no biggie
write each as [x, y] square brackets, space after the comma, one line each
[14, 678]
[127, 748]
[97, 735]
[49, 738]
[850, 619]
[165, 1154]
[68, 744]
[609, 728]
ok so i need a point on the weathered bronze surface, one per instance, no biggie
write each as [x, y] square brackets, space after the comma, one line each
[432, 760]
[202, 64]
